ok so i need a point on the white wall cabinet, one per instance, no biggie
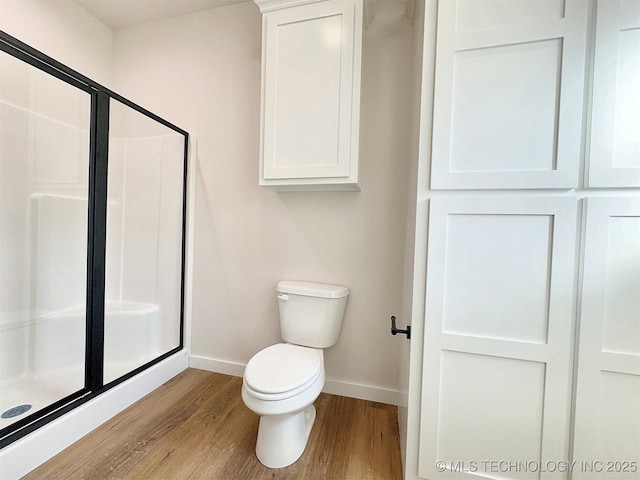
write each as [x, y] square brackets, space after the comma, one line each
[311, 61]
[527, 316]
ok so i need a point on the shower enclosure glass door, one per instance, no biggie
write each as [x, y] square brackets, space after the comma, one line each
[92, 208]
[144, 240]
[44, 165]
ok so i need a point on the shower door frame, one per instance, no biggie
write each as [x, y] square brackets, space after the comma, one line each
[96, 238]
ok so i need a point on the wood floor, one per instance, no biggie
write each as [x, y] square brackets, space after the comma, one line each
[197, 427]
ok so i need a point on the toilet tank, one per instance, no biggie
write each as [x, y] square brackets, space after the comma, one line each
[311, 313]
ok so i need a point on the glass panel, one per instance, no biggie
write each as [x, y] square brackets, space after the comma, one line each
[144, 240]
[44, 158]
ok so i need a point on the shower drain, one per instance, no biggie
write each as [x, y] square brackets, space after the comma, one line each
[15, 411]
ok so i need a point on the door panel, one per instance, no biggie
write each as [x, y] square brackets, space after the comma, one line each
[44, 187]
[498, 335]
[144, 241]
[509, 94]
[615, 143]
[607, 429]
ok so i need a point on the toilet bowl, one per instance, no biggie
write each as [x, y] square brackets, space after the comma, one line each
[281, 382]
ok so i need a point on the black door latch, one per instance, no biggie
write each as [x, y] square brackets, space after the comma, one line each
[395, 330]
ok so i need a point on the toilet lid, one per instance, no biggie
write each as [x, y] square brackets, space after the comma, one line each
[282, 367]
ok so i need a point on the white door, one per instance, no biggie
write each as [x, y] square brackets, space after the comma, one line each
[607, 425]
[498, 337]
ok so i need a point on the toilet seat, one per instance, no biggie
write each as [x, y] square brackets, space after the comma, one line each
[282, 371]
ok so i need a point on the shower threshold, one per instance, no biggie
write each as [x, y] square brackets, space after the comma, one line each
[41, 390]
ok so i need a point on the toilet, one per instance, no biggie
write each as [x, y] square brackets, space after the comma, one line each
[281, 382]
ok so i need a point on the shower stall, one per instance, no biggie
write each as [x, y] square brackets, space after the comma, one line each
[92, 249]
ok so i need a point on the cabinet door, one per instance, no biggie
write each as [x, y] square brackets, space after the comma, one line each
[615, 124]
[498, 337]
[508, 93]
[311, 82]
[607, 425]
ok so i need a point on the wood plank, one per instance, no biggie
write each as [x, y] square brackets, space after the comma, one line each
[197, 427]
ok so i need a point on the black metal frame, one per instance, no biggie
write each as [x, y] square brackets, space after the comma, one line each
[96, 239]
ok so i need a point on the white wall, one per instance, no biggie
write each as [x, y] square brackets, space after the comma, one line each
[202, 72]
[63, 30]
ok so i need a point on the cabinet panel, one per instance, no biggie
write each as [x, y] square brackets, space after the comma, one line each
[498, 334]
[621, 319]
[504, 108]
[615, 138]
[508, 94]
[311, 85]
[607, 425]
[497, 260]
[505, 421]
[307, 69]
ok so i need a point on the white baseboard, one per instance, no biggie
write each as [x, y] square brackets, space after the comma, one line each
[331, 385]
[372, 393]
[218, 366]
